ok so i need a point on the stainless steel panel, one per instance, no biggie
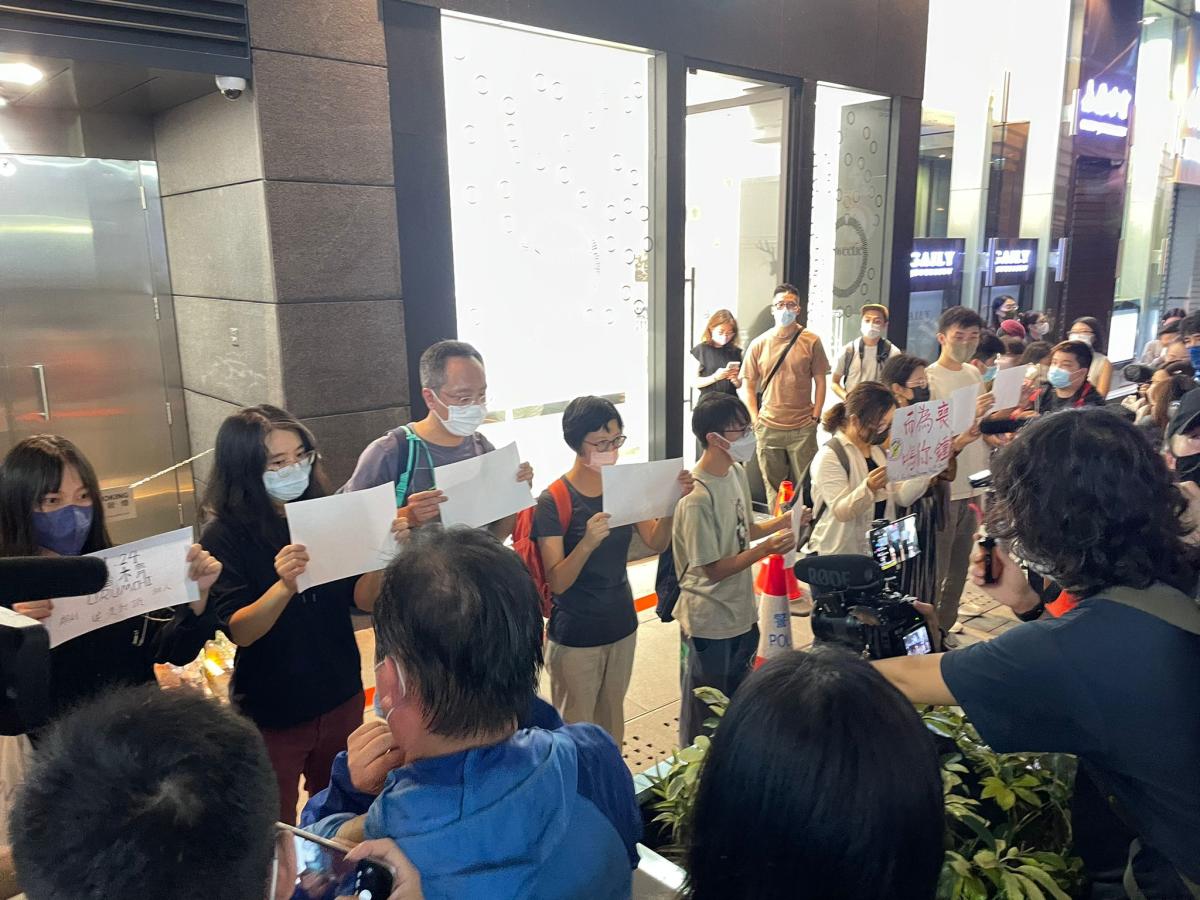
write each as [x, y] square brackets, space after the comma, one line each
[77, 288]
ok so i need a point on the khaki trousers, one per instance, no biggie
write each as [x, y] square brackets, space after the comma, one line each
[588, 684]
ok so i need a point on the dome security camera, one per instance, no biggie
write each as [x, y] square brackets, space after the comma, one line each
[230, 86]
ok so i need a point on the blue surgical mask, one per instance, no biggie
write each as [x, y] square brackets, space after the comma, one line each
[1194, 356]
[1058, 378]
[783, 317]
[64, 530]
[288, 483]
[989, 374]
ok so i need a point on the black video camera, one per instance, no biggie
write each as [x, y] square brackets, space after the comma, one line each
[853, 605]
[1138, 373]
[24, 642]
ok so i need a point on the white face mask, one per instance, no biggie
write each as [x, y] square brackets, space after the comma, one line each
[1041, 329]
[871, 330]
[720, 339]
[783, 317]
[463, 421]
[1084, 338]
[288, 483]
[742, 450]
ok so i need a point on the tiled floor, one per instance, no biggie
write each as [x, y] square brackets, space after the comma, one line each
[652, 704]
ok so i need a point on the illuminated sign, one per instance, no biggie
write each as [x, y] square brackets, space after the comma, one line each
[935, 263]
[1104, 109]
[1013, 260]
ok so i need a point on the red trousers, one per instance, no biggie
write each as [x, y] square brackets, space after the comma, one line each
[308, 749]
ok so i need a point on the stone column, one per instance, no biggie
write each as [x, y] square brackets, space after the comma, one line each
[280, 214]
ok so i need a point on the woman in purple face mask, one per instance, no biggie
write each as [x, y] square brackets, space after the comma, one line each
[49, 506]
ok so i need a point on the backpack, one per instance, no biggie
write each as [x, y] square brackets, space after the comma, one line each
[882, 351]
[806, 485]
[666, 582]
[525, 544]
[411, 446]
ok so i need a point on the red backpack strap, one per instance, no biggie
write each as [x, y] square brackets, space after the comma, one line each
[562, 503]
[1087, 389]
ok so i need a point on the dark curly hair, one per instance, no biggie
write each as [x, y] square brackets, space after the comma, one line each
[1086, 501]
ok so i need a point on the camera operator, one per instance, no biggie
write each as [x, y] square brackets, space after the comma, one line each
[1165, 390]
[1086, 502]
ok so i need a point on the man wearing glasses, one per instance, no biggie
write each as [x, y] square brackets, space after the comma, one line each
[784, 373]
[454, 387]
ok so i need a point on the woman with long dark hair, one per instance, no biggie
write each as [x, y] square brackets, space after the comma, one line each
[822, 782]
[50, 506]
[297, 673]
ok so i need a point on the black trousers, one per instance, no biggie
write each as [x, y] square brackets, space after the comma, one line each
[721, 663]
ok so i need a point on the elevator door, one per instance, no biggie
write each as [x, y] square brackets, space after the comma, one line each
[79, 325]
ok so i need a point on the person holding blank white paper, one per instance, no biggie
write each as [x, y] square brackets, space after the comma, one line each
[297, 670]
[593, 625]
[454, 388]
[50, 506]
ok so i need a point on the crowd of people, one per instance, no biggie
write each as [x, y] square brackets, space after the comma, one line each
[467, 783]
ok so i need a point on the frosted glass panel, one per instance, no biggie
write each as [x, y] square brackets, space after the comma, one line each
[850, 171]
[549, 152]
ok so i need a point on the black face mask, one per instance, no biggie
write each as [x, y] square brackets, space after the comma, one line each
[1187, 468]
[920, 394]
[880, 437]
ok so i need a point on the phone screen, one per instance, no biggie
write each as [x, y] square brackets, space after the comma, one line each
[321, 871]
[895, 542]
[917, 642]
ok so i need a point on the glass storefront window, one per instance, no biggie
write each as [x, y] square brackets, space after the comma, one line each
[849, 206]
[548, 141]
[735, 157]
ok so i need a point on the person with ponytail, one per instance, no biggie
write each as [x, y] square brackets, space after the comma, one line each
[850, 487]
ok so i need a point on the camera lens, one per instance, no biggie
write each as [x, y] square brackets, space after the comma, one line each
[1138, 373]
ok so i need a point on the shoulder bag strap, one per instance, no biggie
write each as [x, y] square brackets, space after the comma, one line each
[848, 361]
[412, 446]
[779, 362]
[562, 503]
[1160, 600]
[840, 452]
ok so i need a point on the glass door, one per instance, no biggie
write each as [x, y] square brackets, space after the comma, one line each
[736, 164]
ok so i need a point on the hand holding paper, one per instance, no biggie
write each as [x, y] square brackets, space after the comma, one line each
[639, 492]
[143, 577]
[483, 490]
[340, 536]
[1007, 387]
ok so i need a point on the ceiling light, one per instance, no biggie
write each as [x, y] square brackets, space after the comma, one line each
[3, 102]
[20, 73]
[1149, 20]
[941, 156]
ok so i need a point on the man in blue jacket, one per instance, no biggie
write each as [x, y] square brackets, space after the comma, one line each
[482, 807]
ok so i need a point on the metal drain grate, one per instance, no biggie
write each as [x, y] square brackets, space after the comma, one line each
[646, 746]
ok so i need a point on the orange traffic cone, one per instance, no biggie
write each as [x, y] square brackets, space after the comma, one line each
[787, 493]
[774, 617]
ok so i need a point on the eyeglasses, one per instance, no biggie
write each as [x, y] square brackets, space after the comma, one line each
[786, 304]
[923, 384]
[612, 444]
[736, 432]
[304, 458]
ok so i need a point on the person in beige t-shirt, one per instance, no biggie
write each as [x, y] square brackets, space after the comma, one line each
[785, 423]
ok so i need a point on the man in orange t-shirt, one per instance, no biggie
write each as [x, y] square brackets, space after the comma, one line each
[788, 367]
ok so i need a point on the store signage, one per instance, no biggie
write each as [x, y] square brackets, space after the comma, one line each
[1013, 261]
[935, 263]
[1104, 108]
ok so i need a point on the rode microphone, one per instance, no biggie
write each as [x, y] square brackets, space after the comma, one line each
[24, 642]
[839, 574]
[25, 578]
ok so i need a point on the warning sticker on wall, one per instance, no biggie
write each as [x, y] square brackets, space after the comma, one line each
[118, 503]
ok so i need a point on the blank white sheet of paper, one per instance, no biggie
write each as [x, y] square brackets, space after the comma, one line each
[345, 534]
[483, 489]
[1007, 387]
[962, 408]
[143, 577]
[638, 492]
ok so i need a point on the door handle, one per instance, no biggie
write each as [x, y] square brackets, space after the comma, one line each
[40, 370]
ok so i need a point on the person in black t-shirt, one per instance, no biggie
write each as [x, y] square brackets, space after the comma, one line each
[593, 625]
[1085, 500]
[1067, 385]
[50, 506]
[297, 670]
[719, 356]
